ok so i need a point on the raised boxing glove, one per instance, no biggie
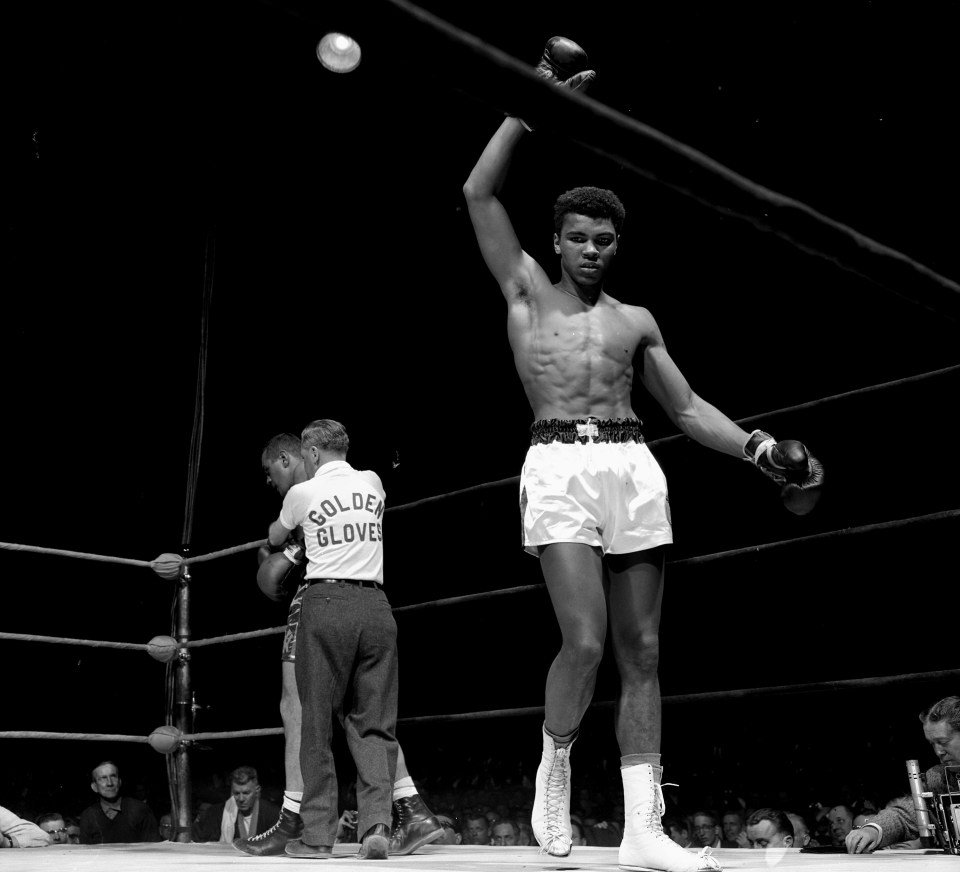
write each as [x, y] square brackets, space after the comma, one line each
[790, 465]
[565, 63]
[562, 59]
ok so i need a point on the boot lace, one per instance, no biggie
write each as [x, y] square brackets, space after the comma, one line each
[708, 863]
[260, 837]
[554, 795]
[655, 811]
[403, 812]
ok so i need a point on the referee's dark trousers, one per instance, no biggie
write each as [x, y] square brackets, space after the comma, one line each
[346, 670]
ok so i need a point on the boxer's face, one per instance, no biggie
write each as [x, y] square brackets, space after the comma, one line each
[280, 472]
[944, 740]
[586, 247]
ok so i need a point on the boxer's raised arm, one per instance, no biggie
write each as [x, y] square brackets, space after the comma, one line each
[495, 234]
[563, 63]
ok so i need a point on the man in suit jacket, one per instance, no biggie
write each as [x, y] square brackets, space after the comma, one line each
[245, 813]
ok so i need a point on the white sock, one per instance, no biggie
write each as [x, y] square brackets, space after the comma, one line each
[291, 800]
[403, 788]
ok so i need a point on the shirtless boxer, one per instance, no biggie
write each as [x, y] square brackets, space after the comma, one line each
[592, 496]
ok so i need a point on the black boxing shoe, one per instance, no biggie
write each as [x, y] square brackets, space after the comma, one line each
[375, 844]
[415, 825]
[273, 842]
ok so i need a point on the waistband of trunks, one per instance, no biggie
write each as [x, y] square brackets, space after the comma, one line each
[360, 582]
[585, 430]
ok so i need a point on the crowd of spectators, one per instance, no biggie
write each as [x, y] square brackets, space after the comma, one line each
[487, 799]
[482, 809]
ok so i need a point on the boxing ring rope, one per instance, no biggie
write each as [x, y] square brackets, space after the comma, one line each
[810, 404]
[172, 565]
[512, 86]
[161, 646]
[871, 682]
[652, 156]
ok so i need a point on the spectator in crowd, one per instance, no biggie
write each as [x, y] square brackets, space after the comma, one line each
[243, 814]
[18, 833]
[451, 830]
[477, 829]
[114, 817]
[707, 832]
[53, 824]
[801, 831]
[841, 823]
[676, 826]
[526, 831]
[734, 828]
[73, 830]
[769, 828]
[821, 825]
[505, 833]
[167, 828]
[897, 822]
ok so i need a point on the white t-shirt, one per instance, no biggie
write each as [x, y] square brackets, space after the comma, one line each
[341, 512]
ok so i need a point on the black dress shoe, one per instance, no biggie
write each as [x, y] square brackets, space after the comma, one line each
[376, 843]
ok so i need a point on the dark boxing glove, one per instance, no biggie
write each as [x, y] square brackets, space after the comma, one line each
[277, 570]
[562, 59]
[790, 465]
[564, 63]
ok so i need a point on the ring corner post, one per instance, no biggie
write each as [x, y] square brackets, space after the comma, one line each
[183, 711]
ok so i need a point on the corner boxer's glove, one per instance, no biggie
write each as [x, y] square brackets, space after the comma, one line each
[790, 465]
[564, 63]
[294, 552]
[277, 570]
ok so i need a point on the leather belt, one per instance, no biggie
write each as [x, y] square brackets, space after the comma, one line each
[359, 582]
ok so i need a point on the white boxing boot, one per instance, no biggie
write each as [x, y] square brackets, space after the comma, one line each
[550, 819]
[645, 846]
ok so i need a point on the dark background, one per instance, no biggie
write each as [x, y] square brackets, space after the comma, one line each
[143, 144]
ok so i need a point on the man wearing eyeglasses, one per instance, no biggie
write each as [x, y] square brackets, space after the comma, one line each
[55, 827]
[707, 832]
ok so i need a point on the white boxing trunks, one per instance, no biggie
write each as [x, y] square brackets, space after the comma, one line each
[610, 495]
